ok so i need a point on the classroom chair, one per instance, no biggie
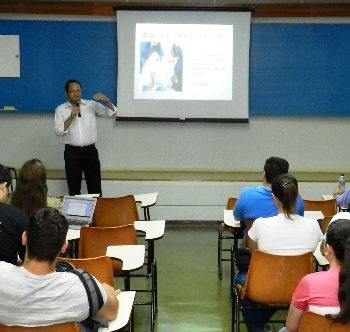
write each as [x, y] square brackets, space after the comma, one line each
[115, 211]
[328, 208]
[235, 234]
[271, 281]
[94, 242]
[64, 327]
[311, 322]
[100, 267]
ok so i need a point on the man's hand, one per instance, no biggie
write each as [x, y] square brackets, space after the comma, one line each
[75, 111]
[101, 97]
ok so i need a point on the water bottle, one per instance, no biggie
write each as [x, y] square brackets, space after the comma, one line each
[341, 185]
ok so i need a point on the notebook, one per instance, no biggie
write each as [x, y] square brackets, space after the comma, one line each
[78, 210]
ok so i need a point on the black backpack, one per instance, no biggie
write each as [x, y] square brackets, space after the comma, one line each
[92, 290]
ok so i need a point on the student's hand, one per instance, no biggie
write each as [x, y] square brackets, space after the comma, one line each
[117, 291]
[338, 191]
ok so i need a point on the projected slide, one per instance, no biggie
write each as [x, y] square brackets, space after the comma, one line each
[183, 65]
[183, 61]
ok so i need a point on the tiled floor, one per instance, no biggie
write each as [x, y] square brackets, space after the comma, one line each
[191, 298]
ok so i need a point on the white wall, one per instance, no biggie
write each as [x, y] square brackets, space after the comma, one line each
[188, 200]
[309, 144]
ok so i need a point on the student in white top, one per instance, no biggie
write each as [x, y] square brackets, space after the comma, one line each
[284, 234]
[287, 233]
[34, 294]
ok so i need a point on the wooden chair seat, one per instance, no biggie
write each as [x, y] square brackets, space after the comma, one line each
[115, 211]
[63, 327]
[100, 267]
[311, 322]
[271, 281]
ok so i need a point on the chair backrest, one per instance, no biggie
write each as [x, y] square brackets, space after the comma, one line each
[272, 278]
[248, 226]
[328, 207]
[100, 267]
[115, 211]
[231, 202]
[325, 224]
[95, 240]
[64, 327]
[311, 322]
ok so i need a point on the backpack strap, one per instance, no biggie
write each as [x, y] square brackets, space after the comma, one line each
[92, 290]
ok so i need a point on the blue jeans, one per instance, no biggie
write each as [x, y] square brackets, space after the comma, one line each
[84, 328]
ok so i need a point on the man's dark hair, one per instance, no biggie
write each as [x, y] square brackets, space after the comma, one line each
[66, 86]
[5, 175]
[47, 231]
[275, 166]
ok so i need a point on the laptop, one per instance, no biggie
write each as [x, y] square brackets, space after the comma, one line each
[78, 210]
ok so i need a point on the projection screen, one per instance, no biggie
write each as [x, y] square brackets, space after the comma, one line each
[183, 65]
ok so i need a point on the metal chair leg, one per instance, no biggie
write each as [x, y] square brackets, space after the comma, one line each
[220, 251]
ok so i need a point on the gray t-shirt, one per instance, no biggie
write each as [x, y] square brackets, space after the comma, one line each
[33, 300]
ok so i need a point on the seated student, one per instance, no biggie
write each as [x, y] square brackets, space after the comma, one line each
[287, 233]
[326, 292]
[342, 198]
[35, 294]
[13, 223]
[31, 189]
[256, 202]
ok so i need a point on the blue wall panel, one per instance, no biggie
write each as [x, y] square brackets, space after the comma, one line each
[295, 69]
[52, 52]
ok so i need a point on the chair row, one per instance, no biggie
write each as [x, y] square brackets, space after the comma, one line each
[327, 207]
[113, 225]
[96, 241]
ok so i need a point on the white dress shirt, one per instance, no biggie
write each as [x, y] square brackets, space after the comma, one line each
[82, 131]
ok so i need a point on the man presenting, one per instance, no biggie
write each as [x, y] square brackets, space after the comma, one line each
[75, 121]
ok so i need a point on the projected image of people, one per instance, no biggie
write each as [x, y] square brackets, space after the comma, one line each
[161, 67]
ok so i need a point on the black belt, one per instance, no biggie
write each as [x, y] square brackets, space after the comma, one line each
[74, 147]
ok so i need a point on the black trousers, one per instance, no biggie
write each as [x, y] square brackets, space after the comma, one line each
[82, 159]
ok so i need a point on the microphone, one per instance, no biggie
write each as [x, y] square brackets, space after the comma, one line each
[77, 103]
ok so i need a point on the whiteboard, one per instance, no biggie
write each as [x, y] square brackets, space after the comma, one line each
[9, 56]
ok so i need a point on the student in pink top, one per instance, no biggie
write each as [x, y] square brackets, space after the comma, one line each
[326, 292]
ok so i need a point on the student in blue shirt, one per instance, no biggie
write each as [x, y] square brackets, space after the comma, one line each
[256, 202]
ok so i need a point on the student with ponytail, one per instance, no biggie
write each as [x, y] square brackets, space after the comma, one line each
[287, 233]
[327, 292]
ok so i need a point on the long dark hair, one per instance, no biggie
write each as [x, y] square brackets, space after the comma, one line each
[285, 188]
[338, 237]
[31, 190]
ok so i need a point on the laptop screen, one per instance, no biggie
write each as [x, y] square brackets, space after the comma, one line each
[78, 207]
